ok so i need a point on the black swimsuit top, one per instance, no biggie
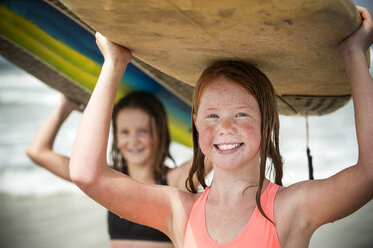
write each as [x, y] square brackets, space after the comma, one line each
[123, 229]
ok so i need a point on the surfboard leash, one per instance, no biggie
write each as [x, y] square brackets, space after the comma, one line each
[309, 156]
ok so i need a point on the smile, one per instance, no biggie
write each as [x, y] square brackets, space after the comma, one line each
[227, 147]
[135, 150]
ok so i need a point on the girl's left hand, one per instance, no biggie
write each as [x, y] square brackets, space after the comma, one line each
[363, 36]
[68, 104]
[111, 51]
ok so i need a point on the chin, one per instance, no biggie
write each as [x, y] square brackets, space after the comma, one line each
[229, 164]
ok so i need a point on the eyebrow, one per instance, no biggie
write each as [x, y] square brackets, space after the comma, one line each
[243, 107]
[212, 108]
[240, 107]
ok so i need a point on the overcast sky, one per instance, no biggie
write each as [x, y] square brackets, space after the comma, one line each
[365, 3]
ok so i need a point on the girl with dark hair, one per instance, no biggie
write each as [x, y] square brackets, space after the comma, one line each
[235, 126]
[140, 147]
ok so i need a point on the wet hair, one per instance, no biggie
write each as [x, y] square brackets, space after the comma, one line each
[258, 85]
[154, 108]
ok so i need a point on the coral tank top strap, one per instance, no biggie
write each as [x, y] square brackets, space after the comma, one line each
[259, 232]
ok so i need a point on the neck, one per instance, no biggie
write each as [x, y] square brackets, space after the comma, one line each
[232, 185]
[141, 173]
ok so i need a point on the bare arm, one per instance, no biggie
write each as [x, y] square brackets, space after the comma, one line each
[88, 166]
[322, 201]
[40, 149]
[353, 55]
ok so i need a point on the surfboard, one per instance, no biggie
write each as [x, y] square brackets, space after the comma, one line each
[60, 50]
[293, 42]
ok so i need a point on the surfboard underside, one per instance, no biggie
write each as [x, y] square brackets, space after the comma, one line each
[293, 42]
[72, 65]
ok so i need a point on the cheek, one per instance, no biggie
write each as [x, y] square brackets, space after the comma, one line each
[148, 141]
[121, 141]
[122, 146]
[205, 138]
[253, 134]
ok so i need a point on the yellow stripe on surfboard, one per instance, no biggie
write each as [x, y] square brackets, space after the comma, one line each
[67, 61]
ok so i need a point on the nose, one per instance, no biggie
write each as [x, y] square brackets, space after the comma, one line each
[227, 126]
[133, 139]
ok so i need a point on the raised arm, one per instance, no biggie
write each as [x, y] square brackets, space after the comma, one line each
[142, 203]
[40, 149]
[88, 158]
[353, 56]
[318, 202]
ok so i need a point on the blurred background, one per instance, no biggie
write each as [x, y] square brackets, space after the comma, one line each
[38, 209]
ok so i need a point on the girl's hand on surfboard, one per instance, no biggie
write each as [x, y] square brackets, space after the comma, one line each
[362, 38]
[111, 51]
[69, 105]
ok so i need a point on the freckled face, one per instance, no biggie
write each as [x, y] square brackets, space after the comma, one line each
[134, 137]
[229, 124]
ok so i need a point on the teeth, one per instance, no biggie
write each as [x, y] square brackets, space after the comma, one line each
[227, 147]
[135, 150]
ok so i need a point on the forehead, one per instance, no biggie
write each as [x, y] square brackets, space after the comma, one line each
[225, 92]
[132, 117]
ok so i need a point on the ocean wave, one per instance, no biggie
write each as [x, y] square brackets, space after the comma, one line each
[23, 89]
[34, 182]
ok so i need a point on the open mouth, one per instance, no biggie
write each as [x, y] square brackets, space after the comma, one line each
[228, 147]
[135, 150]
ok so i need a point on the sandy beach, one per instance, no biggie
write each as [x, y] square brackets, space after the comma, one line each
[59, 221]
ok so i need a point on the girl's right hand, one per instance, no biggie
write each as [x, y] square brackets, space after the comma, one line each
[362, 38]
[111, 51]
[69, 105]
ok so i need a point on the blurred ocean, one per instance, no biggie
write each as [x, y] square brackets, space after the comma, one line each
[38, 209]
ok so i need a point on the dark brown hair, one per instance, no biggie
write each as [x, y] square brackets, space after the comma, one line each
[154, 108]
[258, 85]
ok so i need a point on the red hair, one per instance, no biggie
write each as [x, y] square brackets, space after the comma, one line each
[258, 85]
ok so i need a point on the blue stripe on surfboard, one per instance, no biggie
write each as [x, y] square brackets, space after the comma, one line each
[72, 34]
[57, 25]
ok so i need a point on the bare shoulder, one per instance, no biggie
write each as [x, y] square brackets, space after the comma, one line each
[290, 200]
[292, 228]
[182, 203]
[286, 202]
[185, 198]
[291, 192]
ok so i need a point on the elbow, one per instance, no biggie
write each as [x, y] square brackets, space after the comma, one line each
[84, 179]
[79, 179]
[30, 153]
[33, 154]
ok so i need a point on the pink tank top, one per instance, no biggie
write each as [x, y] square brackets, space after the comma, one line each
[259, 232]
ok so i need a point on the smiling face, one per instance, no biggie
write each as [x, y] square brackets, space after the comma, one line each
[134, 136]
[228, 122]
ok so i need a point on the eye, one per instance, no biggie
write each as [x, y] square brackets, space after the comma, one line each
[143, 131]
[124, 131]
[241, 115]
[212, 116]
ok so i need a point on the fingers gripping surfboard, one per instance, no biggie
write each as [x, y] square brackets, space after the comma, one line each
[293, 41]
